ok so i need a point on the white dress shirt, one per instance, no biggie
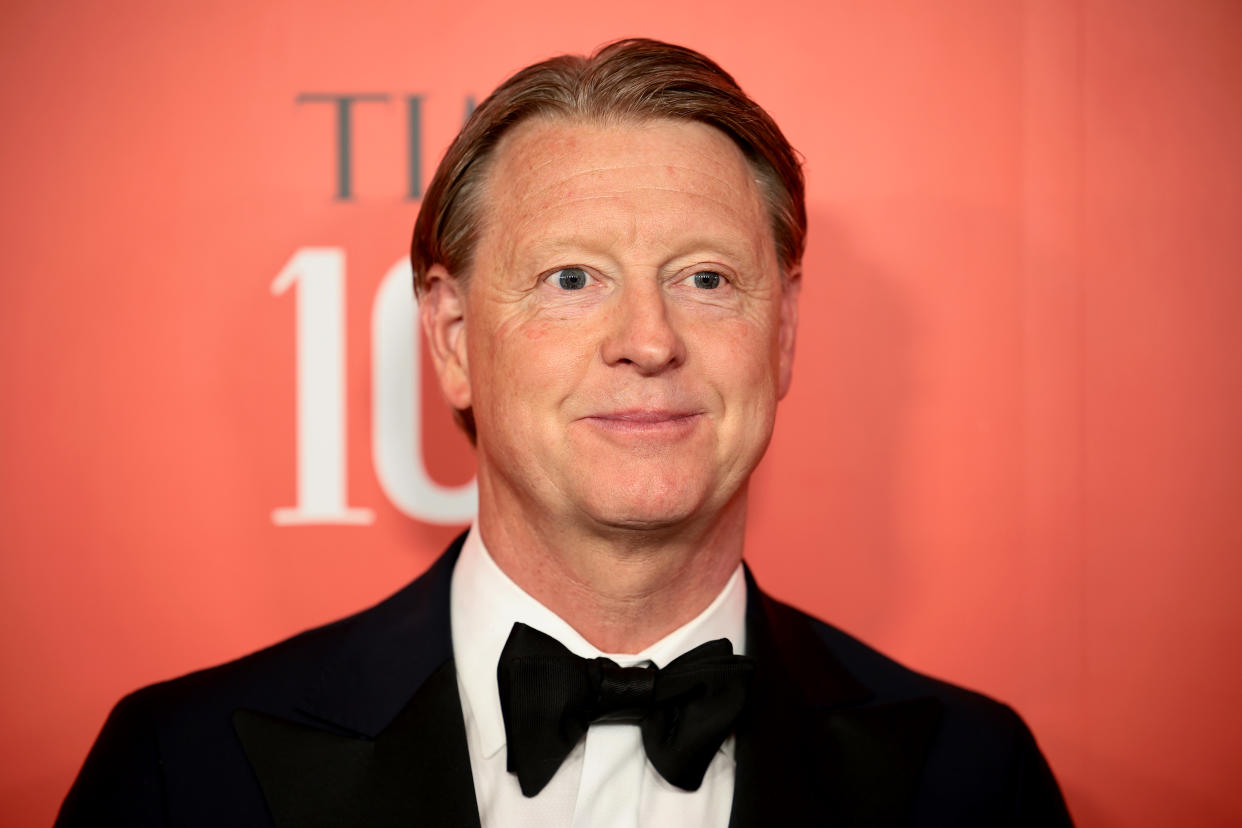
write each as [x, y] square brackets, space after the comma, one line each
[606, 782]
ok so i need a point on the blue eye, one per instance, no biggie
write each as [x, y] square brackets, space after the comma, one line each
[707, 280]
[569, 278]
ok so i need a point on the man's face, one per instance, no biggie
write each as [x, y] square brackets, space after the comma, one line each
[625, 334]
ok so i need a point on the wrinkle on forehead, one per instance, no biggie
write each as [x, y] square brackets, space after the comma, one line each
[546, 166]
[621, 196]
[530, 147]
[661, 169]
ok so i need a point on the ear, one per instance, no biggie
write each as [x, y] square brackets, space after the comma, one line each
[443, 313]
[788, 333]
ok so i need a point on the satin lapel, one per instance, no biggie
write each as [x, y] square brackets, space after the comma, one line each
[415, 772]
[377, 737]
[815, 746]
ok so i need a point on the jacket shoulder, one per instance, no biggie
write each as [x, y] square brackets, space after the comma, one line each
[408, 626]
[889, 679]
[983, 765]
[160, 742]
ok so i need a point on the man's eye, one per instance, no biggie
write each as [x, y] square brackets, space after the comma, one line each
[707, 280]
[569, 278]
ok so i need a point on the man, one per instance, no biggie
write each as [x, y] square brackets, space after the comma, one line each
[608, 262]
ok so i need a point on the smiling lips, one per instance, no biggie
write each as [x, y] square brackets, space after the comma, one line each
[647, 422]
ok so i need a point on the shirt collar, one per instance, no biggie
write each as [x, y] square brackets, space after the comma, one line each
[485, 603]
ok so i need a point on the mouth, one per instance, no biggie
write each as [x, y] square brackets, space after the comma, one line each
[646, 421]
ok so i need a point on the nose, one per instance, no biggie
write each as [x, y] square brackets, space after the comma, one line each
[641, 332]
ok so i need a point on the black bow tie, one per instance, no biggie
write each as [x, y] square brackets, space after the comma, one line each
[549, 697]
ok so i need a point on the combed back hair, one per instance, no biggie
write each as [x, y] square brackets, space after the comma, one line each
[632, 80]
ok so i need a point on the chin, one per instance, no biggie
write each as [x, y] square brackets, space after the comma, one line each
[648, 504]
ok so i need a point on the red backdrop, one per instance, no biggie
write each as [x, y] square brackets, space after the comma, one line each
[1011, 457]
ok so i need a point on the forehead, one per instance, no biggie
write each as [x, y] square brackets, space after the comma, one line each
[551, 171]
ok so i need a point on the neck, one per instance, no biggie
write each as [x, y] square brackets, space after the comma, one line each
[621, 589]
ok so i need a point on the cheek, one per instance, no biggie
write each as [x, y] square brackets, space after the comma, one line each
[535, 332]
[739, 352]
[531, 363]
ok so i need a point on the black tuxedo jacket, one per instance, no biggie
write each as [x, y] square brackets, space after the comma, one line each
[359, 723]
